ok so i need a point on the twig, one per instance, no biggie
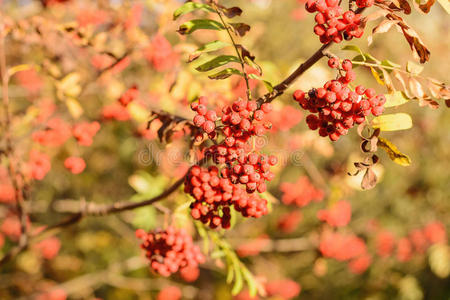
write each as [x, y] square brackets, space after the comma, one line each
[92, 209]
[280, 88]
[227, 28]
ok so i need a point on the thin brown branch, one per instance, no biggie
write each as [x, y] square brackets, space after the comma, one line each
[280, 88]
[92, 209]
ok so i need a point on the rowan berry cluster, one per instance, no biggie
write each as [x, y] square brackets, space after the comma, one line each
[170, 250]
[335, 108]
[333, 24]
[216, 189]
[84, 132]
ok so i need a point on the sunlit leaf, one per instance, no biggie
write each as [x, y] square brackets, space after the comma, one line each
[395, 99]
[376, 76]
[193, 25]
[74, 107]
[225, 73]
[217, 62]
[392, 122]
[189, 7]
[413, 68]
[209, 47]
[439, 260]
[445, 4]
[353, 48]
[394, 154]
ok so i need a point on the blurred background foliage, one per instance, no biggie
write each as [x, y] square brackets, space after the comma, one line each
[100, 257]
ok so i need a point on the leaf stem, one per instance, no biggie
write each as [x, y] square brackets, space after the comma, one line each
[227, 27]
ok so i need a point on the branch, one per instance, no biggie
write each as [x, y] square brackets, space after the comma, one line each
[280, 88]
[92, 209]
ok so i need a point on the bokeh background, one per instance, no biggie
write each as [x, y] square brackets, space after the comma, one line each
[76, 59]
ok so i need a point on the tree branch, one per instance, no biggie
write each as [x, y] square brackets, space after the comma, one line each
[91, 209]
[280, 88]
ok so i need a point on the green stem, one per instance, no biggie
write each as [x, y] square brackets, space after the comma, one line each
[227, 27]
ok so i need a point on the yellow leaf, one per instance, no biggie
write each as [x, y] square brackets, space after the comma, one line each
[394, 154]
[376, 76]
[445, 4]
[392, 122]
[69, 85]
[439, 260]
[138, 112]
[74, 107]
[395, 99]
[18, 68]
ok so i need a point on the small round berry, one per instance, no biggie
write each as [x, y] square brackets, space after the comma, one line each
[266, 107]
[333, 62]
[347, 65]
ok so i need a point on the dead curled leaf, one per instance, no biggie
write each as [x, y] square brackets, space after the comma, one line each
[420, 51]
[170, 124]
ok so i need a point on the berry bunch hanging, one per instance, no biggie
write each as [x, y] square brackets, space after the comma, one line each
[333, 24]
[241, 170]
[335, 108]
[170, 250]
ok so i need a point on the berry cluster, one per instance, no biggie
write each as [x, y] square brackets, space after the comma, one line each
[333, 24]
[300, 193]
[84, 132]
[170, 250]
[75, 164]
[346, 247]
[129, 95]
[217, 188]
[338, 215]
[337, 107]
[214, 195]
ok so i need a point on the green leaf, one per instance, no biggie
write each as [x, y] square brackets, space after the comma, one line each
[353, 48]
[144, 183]
[371, 58]
[413, 68]
[191, 6]
[389, 63]
[395, 99]
[217, 62]
[376, 75]
[209, 47]
[230, 273]
[439, 260]
[225, 73]
[266, 83]
[393, 122]
[394, 154]
[238, 281]
[144, 218]
[252, 285]
[193, 25]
